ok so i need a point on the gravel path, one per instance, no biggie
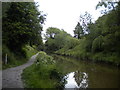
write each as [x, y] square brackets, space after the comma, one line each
[11, 77]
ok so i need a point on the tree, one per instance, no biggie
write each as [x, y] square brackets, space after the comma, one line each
[78, 32]
[85, 20]
[5, 7]
[50, 43]
[56, 39]
[97, 44]
[101, 43]
[108, 4]
[51, 32]
[22, 25]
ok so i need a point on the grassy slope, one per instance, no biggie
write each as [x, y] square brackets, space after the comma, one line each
[79, 52]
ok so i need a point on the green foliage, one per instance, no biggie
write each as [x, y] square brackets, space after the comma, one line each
[61, 39]
[78, 32]
[22, 25]
[43, 58]
[44, 73]
[101, 43]
[29, 51]
[108, 4]
[85, 20]
[10, 55]
[108, 58]
[76, 51]
[5, 7]
[56, 39]
[16, 60]
[71, 42]
[51, 32]
[97, 44]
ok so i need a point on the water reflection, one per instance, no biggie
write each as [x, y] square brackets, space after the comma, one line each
[88, 74]
[76, 79]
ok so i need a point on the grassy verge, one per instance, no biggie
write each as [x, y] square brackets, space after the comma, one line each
[78, 52]
[111, 58]
[43, 73]
[16, 60]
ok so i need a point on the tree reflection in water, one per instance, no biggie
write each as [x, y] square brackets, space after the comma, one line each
[77, 79]
[81, 79]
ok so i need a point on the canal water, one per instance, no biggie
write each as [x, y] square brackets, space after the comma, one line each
[84, 74]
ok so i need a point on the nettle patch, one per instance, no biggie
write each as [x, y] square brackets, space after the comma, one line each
[45, 59]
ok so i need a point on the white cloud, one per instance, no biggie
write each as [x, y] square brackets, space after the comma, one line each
[64, 14]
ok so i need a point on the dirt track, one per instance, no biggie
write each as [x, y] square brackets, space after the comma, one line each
[11, 77]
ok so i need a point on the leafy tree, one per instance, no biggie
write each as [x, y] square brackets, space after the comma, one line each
[71, 42]
[50, 43]
[97, 44]
[60, 39]
[56, 39]
[51, 32]
[78, 32]
[85, 20]
[22, 25]
[5, 7]
[108, 4]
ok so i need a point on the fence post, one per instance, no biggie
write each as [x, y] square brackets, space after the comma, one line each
[6, 58]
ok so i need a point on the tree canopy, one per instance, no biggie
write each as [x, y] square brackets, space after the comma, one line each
[22, 24]
[78, 32]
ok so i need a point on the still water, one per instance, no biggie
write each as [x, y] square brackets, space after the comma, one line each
[84, 74]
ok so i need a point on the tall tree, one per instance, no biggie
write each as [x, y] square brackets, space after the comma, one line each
[55, 39]
[51, 32]
[85, 20]
[22, 24]
[78, 32]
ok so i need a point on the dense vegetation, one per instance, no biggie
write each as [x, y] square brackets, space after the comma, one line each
[21, 26]
[15, 60]
[57, 39]
[21, 37]
[98, 41]
[44, 73]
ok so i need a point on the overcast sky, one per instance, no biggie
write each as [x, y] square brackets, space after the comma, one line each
[64, 14]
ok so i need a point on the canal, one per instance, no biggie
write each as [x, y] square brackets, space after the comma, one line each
[85, 74]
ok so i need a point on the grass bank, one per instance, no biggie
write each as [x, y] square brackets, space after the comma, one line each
[14, 59]
[43, 73]
[80, 53]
